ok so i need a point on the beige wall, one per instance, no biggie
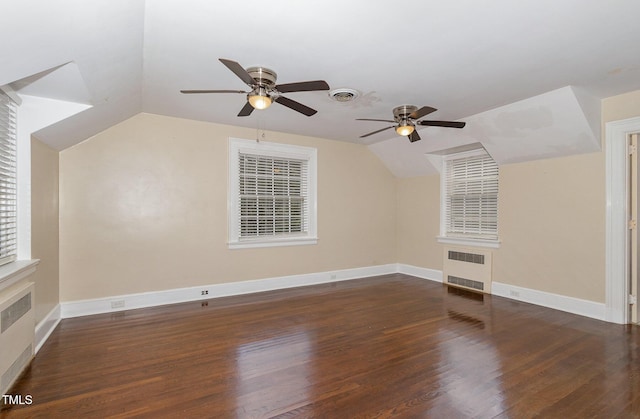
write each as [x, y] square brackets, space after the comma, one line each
[44, 226]
[144, 208]
[418, 222]
[551, 225]
[621, 107]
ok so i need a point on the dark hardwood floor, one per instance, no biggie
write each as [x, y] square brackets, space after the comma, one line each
[389, 346]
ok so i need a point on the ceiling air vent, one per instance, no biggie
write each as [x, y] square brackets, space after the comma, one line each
[343, 95]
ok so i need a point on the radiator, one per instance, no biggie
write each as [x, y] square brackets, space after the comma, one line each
[467, 268]
[17, 331]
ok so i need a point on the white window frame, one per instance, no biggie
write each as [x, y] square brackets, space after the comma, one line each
[239, 146]
[444, 237]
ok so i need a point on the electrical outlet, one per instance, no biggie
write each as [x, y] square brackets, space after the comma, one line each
[514, 293]
[204, 292]
[117, 304]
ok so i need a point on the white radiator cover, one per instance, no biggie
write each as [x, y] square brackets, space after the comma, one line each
[468, 268]
[17, 332]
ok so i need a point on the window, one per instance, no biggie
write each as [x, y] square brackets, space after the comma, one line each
[272, 194]
[8, 195]
[470, 198]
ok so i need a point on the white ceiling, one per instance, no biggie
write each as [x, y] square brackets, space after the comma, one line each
[480, 62]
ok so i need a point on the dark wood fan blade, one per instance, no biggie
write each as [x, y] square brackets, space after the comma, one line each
[212, 91]
[296, 106]
[303, 86]
[379, 120]
[446, 124]
[377, 131]
[414, 136]
[238, 71]
[424, 111]
[246, 110]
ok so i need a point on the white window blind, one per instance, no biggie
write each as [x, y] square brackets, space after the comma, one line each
[471, 197]
[273, 196]
[8, 193]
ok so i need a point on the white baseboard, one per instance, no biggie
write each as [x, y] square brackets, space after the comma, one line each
[181, 295]
[559, 302]
[424, 273]
[46, 326]
[545, 299]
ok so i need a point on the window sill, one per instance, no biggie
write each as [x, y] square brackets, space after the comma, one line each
[13, 272]
[461, 241]
[253, 243]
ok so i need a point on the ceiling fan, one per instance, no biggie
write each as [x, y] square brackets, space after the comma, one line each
[406, 117]
[264, 89]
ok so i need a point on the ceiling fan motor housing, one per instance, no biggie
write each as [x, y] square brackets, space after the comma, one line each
[263, 76]
[401, 113]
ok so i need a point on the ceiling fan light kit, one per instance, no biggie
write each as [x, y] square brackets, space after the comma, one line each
[259, 99]
[404, 128]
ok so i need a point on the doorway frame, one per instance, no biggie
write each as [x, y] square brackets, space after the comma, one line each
[617, 195]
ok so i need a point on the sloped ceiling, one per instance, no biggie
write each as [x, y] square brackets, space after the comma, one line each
[526, 76]
[553, 124]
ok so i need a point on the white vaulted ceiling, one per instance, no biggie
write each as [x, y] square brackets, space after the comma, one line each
[526, 76]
